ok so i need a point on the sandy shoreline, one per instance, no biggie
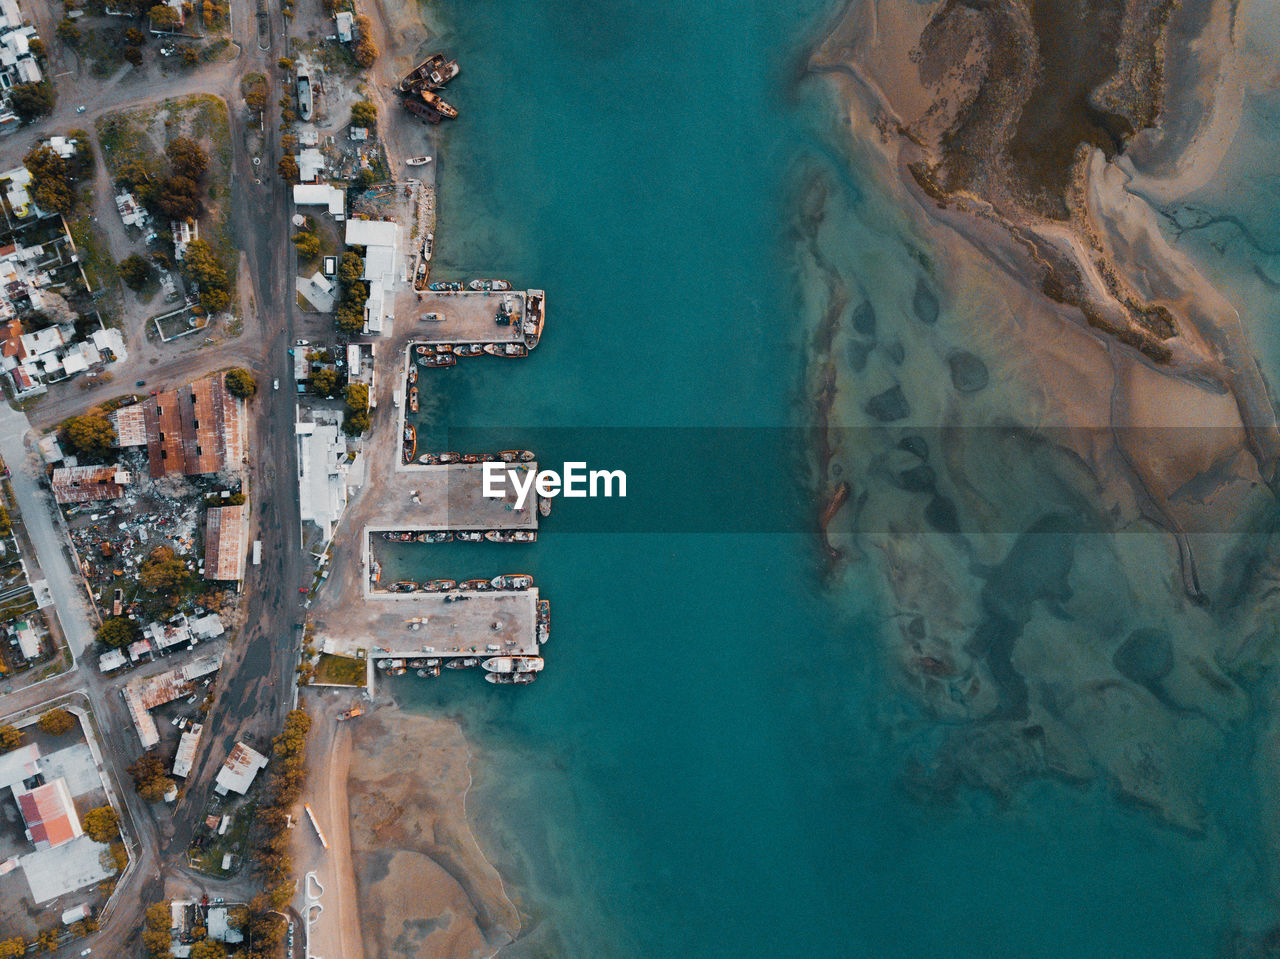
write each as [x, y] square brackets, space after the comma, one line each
[404, 875]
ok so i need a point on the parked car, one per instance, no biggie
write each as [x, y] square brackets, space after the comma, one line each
[275, 384]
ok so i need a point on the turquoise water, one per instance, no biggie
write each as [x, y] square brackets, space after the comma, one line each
[711, 764]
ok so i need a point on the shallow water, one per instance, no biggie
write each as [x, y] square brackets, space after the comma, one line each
[710, 765]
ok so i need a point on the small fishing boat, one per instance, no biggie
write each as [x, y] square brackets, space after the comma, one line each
[510, 679]
[468, 349]
[466, 663]
[445, 359]
[404, 586]
[397, 671]
[470, 536]
[479, 285]
[512, 581]
[523, 536]
[410, 443]
[418, 161]
[432, 100]
[544, 621]
[544, 506]
[436, 536]
[513, 664]
[433, 72]
[413, 374]
[429, 671]
[514, 350]
[444, 347]
[429, 459]
[398, 537]
[469, 458]
[413, 399]
[439, 585]
[445, 459]
[498, 536]
[439, 286]
[480, 585]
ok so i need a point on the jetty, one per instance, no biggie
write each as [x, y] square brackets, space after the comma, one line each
[455, 317]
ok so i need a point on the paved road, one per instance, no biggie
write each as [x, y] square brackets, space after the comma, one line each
[256, 684]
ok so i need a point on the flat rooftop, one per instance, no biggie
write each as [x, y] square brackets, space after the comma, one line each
[418, 497]
[384, 624]
[466, 316]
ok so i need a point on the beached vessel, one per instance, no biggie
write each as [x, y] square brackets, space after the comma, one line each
[510, 679]
[418, 161]
[512, 581]
[304, 94]
[513, 664]
[439, 585]
[515, 350]
[422, 111]
[410, 442]
[432, 99]
[433, 72]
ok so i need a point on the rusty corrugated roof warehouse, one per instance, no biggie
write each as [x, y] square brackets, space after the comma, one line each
[226, 532]
[196, 429]
[131, 425]
[88, 484]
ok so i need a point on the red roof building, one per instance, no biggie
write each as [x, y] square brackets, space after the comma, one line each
[50, 814]
[196, 429]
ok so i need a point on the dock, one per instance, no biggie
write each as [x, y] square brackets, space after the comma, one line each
[452, 317]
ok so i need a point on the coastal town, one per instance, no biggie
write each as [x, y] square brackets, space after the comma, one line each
[219, 334]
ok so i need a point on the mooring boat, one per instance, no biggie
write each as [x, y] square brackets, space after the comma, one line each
[512, 581]
[398, 537]
[440, 359]
[480, 585]
[489, 285]
[429, 671]
[444, 459]
[513, 664]
[523, 456]
[544, 506]
[544, 621]
[410, 443]
[432, 99]
[413, 399]
[514, 350]
[439, 585]
[468, 349]
[510, 679]
[470, 536]
[413, 374]
[435, 536]
[404, 586]
[466, 663]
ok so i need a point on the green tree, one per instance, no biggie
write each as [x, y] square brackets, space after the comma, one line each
[186, 158]
[324, 382]
[364, 114]
[355, 422]
[135, 270]
[208, 949]
[187, 53]
[285, 64]
[89, 434]
[240, 383]
[150, 781]
[179, 197]
[155, 934]
[349, 319]
[68, 32]
[117, 632]
[307, 244]
[51, 181]
[133, 55]
[102, 824]
[134, 37]
[350, 268]
[357, 397]
[10, 738]
[164, 17]
[288, 169]
[57, 722]
[163, 572]
[36, 46]
[203, 266]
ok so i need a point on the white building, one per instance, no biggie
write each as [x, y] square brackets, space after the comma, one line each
[240, 769]
[322, 194]
[382, 268]
[344, 21]
[323, 467]
[186, 754]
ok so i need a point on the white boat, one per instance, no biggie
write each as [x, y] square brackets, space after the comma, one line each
[513, 664]
[418, 161]
[510, 679]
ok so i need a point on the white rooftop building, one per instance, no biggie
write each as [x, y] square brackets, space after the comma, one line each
[322, 194]
[380, 238]
[344, 21]
[323, 468]
[240, 769]
[186, 754]
[311, 165]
